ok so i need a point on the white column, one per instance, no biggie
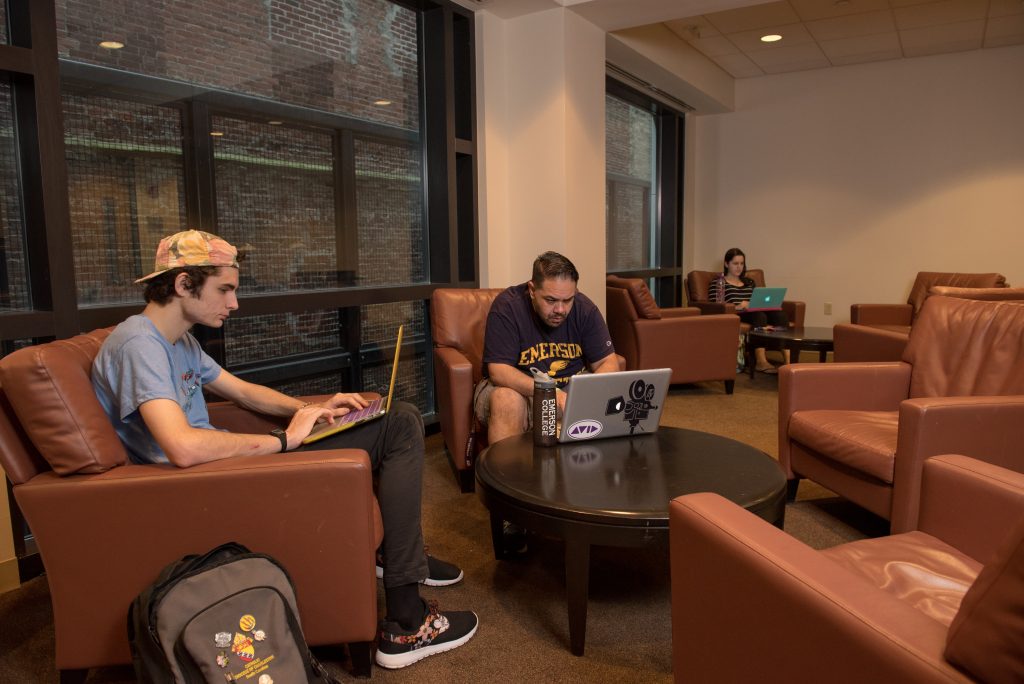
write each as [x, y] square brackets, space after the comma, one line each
[541, 107]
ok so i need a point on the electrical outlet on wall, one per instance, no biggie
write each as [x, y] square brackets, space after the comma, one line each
[828, 308]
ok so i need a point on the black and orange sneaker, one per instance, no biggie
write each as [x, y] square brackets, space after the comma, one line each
[439, 632]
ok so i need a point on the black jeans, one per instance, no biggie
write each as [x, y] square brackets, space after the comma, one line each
[395, 445]
[759, 319]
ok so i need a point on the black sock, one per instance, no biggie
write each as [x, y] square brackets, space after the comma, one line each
[404, 605]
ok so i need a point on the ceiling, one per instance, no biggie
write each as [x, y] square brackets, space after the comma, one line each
[815, 33]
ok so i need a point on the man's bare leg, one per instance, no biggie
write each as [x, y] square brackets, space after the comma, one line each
[507, 415]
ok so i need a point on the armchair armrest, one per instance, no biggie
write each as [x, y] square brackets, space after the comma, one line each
[228, 416]
[979, 427]
[724, 561]
[713, 307]
[680, 311]
[840, 386]
[313, 511]
[968, 503]
[453, 374]
[881, 314]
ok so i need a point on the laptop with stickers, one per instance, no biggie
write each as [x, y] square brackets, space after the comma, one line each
[602, 405]
[377, 408]
[766, 299]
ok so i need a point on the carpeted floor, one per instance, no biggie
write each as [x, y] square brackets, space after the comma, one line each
[523, 634]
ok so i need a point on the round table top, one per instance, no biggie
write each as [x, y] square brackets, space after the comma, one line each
[627, 480]
[804, 334]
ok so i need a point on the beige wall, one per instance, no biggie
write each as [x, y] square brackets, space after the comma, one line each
[843, 183]
[541, 122]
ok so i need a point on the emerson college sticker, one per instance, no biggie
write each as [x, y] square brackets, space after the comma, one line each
[242, 646]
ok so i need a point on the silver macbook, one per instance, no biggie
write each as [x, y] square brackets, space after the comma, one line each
[602, 405]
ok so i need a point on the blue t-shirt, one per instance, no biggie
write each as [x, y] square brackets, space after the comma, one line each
[516, 336]
[137, 364]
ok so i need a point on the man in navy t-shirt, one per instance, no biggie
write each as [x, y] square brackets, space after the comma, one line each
[547, 324]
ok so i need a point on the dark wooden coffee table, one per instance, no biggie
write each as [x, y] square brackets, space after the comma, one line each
[615, 492]
[794, 339]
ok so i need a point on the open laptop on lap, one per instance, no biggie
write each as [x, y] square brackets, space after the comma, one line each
[602, 405]
[377, 408]
[767, 299]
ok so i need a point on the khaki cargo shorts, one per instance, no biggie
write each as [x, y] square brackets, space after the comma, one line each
[482, 403]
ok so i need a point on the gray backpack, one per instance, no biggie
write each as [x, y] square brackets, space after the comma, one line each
[224, 616]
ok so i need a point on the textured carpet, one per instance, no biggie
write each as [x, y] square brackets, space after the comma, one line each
[523, 634]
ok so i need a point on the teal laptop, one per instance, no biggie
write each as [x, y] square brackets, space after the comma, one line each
[767, 299]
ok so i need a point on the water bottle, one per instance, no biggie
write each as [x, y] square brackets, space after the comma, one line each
[545, 409]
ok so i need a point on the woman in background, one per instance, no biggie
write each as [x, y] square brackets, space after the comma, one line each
[734, 287]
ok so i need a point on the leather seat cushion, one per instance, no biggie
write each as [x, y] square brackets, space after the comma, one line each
[914, 567]
[862, 440]
[904, 329]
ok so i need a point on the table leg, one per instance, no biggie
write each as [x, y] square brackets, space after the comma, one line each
[498, 536]
[822, 356]
[577, 589]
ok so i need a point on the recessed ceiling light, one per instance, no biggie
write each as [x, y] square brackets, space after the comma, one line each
[216, 134]
[111, 45]
[275, 123]
[771, 38]
[382, 102]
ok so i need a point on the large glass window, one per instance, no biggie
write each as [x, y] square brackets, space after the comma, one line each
[338, 56]
[644, 162]
[126, 189]
[289, 129]
[14, 292]
[630, 136]
[276, 198]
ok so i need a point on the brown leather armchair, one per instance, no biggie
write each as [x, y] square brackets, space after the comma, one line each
[458, 318]
[698, 282]
[106, 528]
[697, 348]
[937, 604]
[879, 332]
[864, 429]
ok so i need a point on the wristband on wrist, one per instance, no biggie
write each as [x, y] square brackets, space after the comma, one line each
[283, 436]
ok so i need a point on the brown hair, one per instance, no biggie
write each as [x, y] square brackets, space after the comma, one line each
[160, 289]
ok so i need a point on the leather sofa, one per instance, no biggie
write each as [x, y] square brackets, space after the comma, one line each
[697, 348]
[698, 282]
[864, 429]
[105, 528]
[879, 332]
[940, 603]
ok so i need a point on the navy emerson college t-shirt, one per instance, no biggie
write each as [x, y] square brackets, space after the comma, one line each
[516, 336]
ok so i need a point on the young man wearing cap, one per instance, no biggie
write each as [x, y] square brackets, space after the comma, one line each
[149, 376]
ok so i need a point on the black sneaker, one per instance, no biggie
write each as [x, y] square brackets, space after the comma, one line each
[439, 632]
[439, 573]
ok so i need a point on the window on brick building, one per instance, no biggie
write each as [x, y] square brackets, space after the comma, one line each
[630, 137]
[293, 130]
[14, 291]
[644, 161]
